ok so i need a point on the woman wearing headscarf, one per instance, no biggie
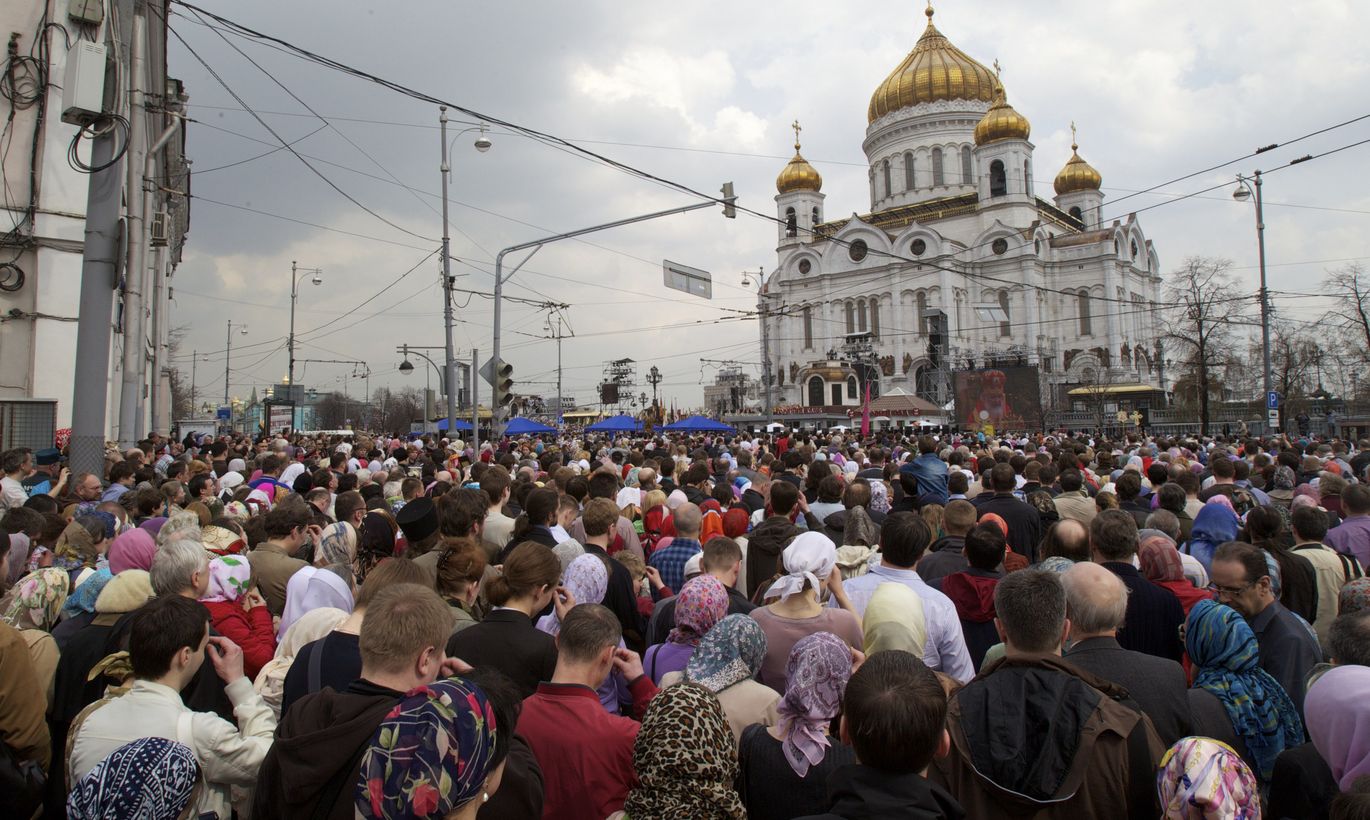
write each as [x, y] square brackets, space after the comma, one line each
[310, 588]
[78, 547]
[685, 761]
[1261, 718]
[726, 664]
[1338, 711]
[1214, 525]
[784, 769]
[1200, 778]
[1162, 566]
[151, 778]
[809, 561]
[375, 542]
[337, 545]
[18, 560]
[79, 609]
[587, 579]
[568, 551]
[313, 625]
[1281, 489]
[702, 602]
[34, 605]
[894, 620]
[239, 613]
[1354, 596]
[132, 550]
[436, 754]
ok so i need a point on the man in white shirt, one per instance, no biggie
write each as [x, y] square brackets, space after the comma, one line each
[904, 537]
[168, 640]
[17, 464]
[499, 528]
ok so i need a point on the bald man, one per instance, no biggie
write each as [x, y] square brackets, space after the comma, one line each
[1096, 604]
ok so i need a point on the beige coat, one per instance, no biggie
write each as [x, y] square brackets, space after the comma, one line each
[744, 703]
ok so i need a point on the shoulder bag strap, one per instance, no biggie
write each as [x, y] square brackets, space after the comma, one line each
[315, 679]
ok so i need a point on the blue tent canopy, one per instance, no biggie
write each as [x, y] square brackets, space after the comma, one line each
[460, 425]
[699, 424]
[616, 424]
[521, 426]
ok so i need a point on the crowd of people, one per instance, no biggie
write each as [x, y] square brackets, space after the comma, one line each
[791, 625]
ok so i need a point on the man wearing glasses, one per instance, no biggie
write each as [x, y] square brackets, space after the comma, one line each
[1289, 651]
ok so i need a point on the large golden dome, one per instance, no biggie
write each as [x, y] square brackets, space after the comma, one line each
[798, 174]
[934, 70]
[1001, 122]
[1077, 175]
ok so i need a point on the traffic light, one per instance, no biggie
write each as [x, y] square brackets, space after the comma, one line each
[504, 383]
[729, 209]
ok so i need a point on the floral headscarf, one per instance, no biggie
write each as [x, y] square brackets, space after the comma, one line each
[132, 550]
[588, 579]
[1284, 478]
[730, 653]
[111, 523]
[568, 551]
[151, 777]
[818, 671]
[1160, 559]
[82, 599]
[222, 540]
[36, 601]
[686, 759]
[1224, 652]
[880, 497]
[702, 602]
[229, 578]
[431, 754]
[75, 548]
[338, 545]
[1204, 779]
[1354, 596]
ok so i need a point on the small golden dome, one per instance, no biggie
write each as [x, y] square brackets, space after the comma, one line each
[798, 174]
[1077, 175]
[934, 70]
[1001, 122]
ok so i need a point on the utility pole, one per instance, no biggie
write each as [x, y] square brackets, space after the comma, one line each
[194, 360]
[98, 264]
[135, 278]
[763, 314]
[1243, 193]
[450, 362]
[475, 405]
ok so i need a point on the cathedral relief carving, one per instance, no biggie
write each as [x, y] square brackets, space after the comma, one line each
[887, 366]
[1069, 357]
[1125, 354]
[779, 372]
[908, 363]
[794, 372]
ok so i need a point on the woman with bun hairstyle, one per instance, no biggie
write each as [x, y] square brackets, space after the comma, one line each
[506, 638]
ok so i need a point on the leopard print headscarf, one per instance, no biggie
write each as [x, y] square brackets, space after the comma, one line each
[686, 759]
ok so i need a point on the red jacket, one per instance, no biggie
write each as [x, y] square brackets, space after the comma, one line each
[586, 754]
[253, 631]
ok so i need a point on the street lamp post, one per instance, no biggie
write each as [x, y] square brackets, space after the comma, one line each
[407, 367]
[654, 378]
[1241, 194]
[763, 315]
[294, 294]
[482, 144]
[228, 354]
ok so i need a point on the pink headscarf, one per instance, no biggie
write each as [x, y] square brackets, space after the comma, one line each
[132, 550]
[229, 578]
[1222, 501]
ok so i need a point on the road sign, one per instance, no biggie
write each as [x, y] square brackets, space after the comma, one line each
[1272, 400]
[686, 279]
[1272, 419]
[487, 371]
[225, 413]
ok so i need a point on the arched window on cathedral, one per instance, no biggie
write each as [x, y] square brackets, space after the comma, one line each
[998, 185]
[937, 178]
[1027, 176]
[851, 318]
[861, 315]
[816, 220]
[851, 388]
[885, 176]
[1077, 213]
[921, 305]
[816, 392]
[1006, 326]
[791, 223]
[967, 175]
[808, 328]
[1084, 314]
[875, 317]
[908, 171]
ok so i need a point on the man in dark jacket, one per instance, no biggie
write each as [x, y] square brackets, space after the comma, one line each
[929, 471]
[1076, 751]
[771, 536]
[1154, 614]
[1024, 522]
[1096, 602]
[972, 589]
[945, 556]
[894, 715]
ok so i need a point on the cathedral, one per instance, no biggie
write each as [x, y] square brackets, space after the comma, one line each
[959, 264]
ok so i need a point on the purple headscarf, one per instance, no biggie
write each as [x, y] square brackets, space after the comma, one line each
[702, 602]
[588, 580]
[152, 526]
[132, 550]
[818, 670]
[18, 556]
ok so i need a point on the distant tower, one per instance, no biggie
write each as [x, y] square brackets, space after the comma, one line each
[1003, 155]
[799, 203]
[1077, 187]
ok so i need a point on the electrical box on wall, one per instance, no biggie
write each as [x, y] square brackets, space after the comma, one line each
[83, 92]
[90, 12]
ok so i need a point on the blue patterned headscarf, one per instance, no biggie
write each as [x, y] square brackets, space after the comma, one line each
[431, 754]
[82, 599]
[729, 653]
[149, 779]
[1224, 652]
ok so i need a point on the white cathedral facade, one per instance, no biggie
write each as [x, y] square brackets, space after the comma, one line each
[956, 226]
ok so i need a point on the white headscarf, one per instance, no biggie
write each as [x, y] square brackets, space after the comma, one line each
[310, 589]
[312, 626]
[809, 557]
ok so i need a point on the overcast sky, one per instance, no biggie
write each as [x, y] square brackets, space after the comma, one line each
[701, 93]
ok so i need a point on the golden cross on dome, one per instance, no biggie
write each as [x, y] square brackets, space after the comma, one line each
[929, 11]
[998, 69]
[797, 129]
[1073, 142]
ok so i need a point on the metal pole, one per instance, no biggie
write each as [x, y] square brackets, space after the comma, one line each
[560, 410]
[90, 395]
[290, 377]
[1265, 294]
[765, 352]
[475, 404]
[159, 305]
[194, 360]
[131, 379]
[450, 362]
[228, 354]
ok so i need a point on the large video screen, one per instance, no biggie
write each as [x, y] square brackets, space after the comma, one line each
[1002, 398]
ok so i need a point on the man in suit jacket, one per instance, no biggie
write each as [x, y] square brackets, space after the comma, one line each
[1154, 614]
[1096, 602]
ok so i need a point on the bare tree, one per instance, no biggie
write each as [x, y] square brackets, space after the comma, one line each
[182, 404]
[397, 409]
[1295, 357]
[332, 411]
[1095, 386]
[1352, 313]
[1206, 302]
